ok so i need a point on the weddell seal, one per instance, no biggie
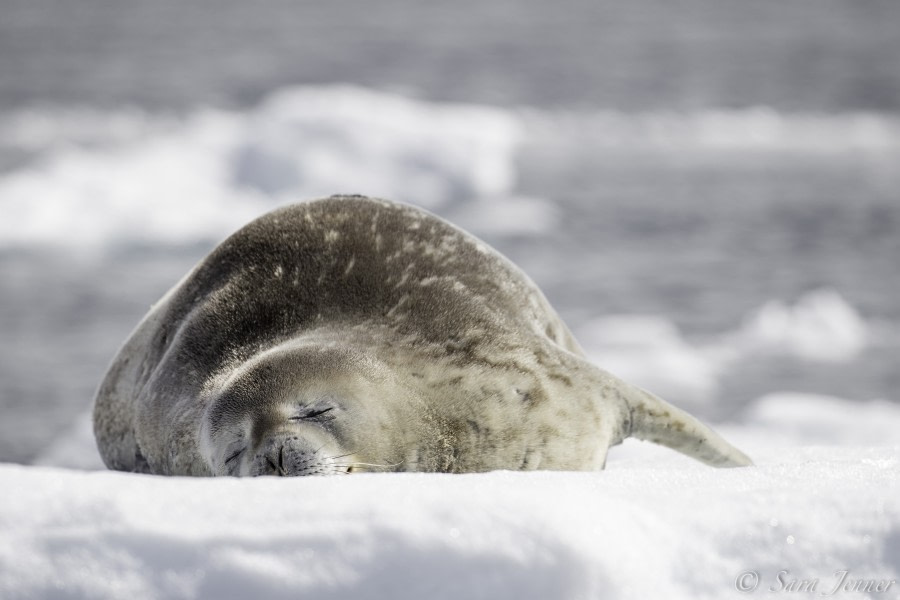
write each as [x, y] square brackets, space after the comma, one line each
[352, 334]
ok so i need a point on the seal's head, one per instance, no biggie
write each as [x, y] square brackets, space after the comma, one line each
[301, 410]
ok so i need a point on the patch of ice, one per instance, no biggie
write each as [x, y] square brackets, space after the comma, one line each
[203, 177]
[820, 326]
[813, 419]
[37, 130]
[649, 351]
[501, 216]
[713, 132]
[321, 141]
[73, 448]
[168, 188]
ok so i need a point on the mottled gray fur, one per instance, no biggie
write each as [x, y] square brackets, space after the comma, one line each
[352, 334]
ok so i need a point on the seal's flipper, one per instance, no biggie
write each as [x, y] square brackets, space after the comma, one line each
[655, 420]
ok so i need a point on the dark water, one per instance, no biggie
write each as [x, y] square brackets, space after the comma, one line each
[684, 54]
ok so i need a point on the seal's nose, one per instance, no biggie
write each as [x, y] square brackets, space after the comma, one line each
[286, 456]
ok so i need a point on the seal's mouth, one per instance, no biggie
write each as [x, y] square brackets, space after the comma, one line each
[294, 456]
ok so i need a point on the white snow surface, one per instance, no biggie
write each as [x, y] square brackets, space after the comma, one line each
[823, 497]
[820, 326]
[649, 350]
[100, 178]
[132, 177]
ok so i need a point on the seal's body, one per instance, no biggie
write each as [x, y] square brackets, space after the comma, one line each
[355, 334]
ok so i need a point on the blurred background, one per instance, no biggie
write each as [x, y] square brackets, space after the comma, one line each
[707, 190]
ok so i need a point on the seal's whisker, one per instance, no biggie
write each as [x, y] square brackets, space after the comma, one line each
[373, 465]
[334, 470]
[337, 457]
[362, 464]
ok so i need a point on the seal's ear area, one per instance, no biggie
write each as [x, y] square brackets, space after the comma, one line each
[655, 420]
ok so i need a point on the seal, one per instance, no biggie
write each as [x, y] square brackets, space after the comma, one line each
[351, 334]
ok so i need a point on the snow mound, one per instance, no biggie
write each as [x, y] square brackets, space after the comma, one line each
[646, 531]
[820, 326]
[506, 215]
[142, 180]
[822, 498]
[715, 131]
[167, 188]
[812, 419]
[74, 448]
[649, 351]
[319, 140]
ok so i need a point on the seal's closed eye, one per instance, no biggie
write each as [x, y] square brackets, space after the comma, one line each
[313, 414]
[234, 455]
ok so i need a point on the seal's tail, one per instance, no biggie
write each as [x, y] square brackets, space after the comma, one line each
[655, 420]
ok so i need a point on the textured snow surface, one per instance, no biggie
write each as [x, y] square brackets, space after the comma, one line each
[822, 498]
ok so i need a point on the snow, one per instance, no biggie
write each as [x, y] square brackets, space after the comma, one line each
[820, 326]
[650, 350]
[714, 131]
[164, 180]
[74, 449]
[319, 139]
[810, 419]
[821, 498]
[94, 179]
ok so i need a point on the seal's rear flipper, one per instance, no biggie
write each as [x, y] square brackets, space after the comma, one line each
[655, 420]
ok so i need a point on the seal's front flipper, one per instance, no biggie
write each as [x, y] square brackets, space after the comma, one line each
[655, 420]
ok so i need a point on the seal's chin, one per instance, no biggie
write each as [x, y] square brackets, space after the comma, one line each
[291, 455]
